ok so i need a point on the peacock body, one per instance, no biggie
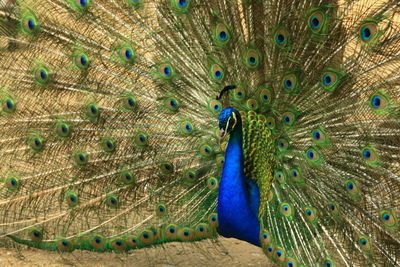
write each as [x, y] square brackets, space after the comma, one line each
[131, 123]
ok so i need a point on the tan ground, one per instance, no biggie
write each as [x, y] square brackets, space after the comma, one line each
[226, 252]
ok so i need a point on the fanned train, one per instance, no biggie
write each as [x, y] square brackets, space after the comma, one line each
[130, 123]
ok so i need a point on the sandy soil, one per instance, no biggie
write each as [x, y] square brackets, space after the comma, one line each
[224, 252]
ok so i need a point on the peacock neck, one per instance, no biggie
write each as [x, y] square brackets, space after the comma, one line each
[234, 156]
[235, 216]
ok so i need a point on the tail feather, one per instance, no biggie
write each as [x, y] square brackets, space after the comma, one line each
[109, 112]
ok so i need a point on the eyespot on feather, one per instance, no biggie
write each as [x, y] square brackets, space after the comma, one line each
[64, 245]
[221, 35]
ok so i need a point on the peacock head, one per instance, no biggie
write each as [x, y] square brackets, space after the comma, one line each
[229, 118]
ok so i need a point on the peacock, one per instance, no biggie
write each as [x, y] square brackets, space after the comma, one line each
[126, 124]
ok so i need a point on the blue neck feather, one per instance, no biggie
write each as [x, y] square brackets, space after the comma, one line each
[238, 197]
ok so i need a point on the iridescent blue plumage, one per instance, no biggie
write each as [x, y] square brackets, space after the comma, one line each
[239, 197]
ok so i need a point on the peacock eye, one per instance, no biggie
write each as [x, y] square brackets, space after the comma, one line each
[92, 112]
[265, 96]
[9, 105]
[368, 32]
[127, 54]
[71, 199]
[129, 103]
[79, 5]
[370, 156]
[108, 145]
[314, 22]
[350, 186]
[36, 143]
[81, 60]
[270, 122]
[181, 6]
[280, 177]
[376, 101]
[83, 3]
[166, 71]
[289, 119]
[112, 201]
[29, 24]
[206, 150]
[327, 79]
[42, 75]
[217, 73]
[12, 183]
[186, 128]
[166, 168]
[141, 139]
[281, 37]
[161, 209]
[252, 58]
[37, 234]
[215, 106]
[171, 103]
[239, 93]
[252, 104]
[221, 34]
[286, 119]
[380, 102]
[313, 155]
[290, 83]
[62, 129]
[283, 144]
[212, 183]
[182, 3]
[317, 135]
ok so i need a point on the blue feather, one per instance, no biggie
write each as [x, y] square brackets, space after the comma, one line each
[238, 199]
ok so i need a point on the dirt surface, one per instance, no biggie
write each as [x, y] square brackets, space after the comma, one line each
[224, 252]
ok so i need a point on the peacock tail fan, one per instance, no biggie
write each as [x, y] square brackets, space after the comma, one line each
[109, 137]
